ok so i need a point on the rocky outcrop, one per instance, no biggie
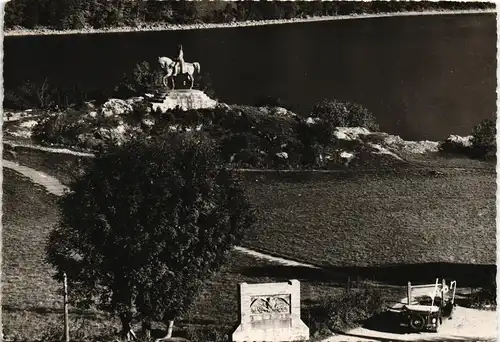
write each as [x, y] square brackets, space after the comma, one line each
[254, 136]
[354, 143]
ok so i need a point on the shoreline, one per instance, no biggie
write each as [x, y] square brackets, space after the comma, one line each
[171, 27]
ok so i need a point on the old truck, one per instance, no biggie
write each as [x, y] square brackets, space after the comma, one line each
[425, 306]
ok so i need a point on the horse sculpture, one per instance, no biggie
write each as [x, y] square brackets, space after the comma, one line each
[173, 70]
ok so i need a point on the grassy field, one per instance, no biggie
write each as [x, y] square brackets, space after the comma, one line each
[32, 301]
[344, 219]
[369, 220]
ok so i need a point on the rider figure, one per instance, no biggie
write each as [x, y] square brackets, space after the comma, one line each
[180, 60]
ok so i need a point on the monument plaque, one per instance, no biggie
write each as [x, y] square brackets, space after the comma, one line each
[270, 312]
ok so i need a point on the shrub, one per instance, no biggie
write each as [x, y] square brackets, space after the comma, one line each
[30, 95]
[210, 334]
[251, 137]
[75, 128]
[354, 307]
[486, 297]
[204, 83]
[142, 79]
[344, 114]
[60, 128]
[44, 96]
[484, 138]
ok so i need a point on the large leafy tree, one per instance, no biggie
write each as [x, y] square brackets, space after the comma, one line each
[146, 225]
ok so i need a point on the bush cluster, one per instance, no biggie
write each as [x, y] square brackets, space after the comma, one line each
[354, 307]
[336, 113]
[484, 137]
[45, 96]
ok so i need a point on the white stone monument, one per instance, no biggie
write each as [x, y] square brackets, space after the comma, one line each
[184, 99]
[270, 312]
[168, 97]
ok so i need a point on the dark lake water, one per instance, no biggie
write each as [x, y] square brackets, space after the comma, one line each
[423, 77]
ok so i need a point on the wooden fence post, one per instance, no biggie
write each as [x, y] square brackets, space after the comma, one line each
[408, 292]
[66, 323]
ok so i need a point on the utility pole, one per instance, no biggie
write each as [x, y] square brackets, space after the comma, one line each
[66, 323]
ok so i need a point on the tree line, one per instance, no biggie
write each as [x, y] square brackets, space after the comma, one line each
[81, 14]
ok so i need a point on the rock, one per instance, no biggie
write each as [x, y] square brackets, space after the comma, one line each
[134, 100]
[350, 133]
[456, 144]
[93, 114]
[345, 155]
[282, 155]
[148, 122]
[116, 107]
[418, 147]
[115, 134]
[89, 105]
[460, 141]
[378, 149]
[280, 111]
[312, 121]
[28, 124]
[223, 105]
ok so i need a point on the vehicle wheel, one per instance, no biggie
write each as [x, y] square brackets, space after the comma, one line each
[417, 322]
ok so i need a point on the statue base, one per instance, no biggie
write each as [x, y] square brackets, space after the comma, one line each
[184, 99]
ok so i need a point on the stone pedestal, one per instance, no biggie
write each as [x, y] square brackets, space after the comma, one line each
[270, 312]
[185, 99]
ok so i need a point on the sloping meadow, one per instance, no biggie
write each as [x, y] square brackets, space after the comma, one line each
[377, 219]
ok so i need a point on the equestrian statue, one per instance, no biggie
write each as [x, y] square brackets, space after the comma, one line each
[178, 67]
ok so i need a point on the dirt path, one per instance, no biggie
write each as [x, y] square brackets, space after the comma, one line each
[282, 261]
[59, 150]
[55, 187]
[466, 325]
